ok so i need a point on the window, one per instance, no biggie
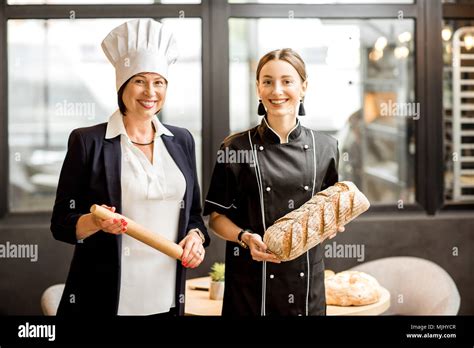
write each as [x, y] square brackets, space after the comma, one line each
[325, 1]
[90, 2]
[458, 106]
[360, 90]
[59, 79]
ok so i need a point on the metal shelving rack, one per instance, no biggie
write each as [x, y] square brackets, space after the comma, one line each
[463, 117]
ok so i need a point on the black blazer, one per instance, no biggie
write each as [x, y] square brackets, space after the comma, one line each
[91, 174]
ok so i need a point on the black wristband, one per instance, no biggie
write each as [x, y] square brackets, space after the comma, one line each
[239, 238]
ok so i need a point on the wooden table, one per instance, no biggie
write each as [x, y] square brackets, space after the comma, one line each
[198, 302]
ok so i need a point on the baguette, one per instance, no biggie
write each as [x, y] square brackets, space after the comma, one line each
[313, 222]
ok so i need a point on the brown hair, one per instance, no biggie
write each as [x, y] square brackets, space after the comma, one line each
[289, 56]
[121, 104]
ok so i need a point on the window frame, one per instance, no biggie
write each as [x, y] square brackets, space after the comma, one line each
[453, 12]
[41, 12]
[428, 193]
[214, 15]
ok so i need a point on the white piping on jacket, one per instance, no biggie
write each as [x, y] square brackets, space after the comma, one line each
[288, 135]
[312, 194]
[222, 206]
[262, 207]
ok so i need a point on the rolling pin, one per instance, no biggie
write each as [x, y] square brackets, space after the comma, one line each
[141, 233]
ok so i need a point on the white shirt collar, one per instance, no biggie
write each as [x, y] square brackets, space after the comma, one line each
[116, 127]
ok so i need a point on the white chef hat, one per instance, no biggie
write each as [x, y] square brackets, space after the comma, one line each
[140, 45]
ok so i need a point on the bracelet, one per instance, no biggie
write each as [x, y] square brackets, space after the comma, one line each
[199, 233]
[239, 239]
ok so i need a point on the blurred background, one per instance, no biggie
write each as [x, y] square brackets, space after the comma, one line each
[392, 80]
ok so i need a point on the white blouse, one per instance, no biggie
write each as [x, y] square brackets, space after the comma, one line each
[152, 195]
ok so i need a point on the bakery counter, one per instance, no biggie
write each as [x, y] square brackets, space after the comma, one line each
[198, 302]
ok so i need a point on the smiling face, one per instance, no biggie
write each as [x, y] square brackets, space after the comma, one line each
[144, 95]
[280, 88]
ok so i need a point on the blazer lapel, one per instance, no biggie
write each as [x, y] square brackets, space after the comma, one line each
[113, 170]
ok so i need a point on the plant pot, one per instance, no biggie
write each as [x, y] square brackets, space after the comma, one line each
[216, 290]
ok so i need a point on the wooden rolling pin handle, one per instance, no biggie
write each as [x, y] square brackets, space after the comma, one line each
[141, 233]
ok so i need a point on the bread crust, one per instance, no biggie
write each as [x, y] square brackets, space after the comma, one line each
[351, 288]
[313, 222]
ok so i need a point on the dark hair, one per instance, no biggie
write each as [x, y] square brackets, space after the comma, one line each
[121, 104]
[289, 56]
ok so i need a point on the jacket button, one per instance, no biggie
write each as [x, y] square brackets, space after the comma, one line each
[302, 274]
[306, 188]
[272, 276]
[306, 147]
[268, 189]
[261, 148]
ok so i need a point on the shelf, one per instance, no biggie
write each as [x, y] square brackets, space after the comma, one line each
[463, 179]
[387, 135]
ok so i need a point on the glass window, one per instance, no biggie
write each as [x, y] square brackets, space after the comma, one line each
[377, 2]
[59, 80]
[360, 90]
[458, 106]
[457, 1]
[91, 2]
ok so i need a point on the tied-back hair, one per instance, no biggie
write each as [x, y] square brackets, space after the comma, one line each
[288, 55]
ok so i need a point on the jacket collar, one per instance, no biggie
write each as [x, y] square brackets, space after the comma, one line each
[116, 127]
[267, 134]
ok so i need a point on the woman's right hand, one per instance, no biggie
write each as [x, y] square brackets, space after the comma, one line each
[114, 226]
[258, 249]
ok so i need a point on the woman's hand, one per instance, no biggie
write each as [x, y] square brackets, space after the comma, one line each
[193, 253]
[113, 226]
[258, 249]
[339, 229]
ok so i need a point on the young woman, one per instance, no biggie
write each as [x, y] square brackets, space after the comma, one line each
[288, 165]
[140, 168]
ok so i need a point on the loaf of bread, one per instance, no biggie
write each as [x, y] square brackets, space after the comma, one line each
[328, 273]
[351, 288]
[313, 222]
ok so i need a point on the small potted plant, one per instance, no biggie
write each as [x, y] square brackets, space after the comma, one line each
[216, 291]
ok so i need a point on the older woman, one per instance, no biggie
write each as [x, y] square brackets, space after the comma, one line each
[136, 166]
[289, 164]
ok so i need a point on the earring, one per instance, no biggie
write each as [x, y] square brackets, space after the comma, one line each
[261, 109]
[301, 110]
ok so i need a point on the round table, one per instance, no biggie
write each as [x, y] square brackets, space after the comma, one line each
[199, 303]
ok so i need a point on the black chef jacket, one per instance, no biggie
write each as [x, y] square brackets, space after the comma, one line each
[256, 176]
